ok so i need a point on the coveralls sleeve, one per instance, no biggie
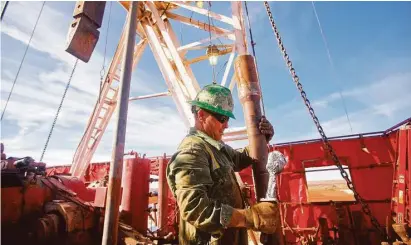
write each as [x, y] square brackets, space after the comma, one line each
[189, 173]
[240, 158]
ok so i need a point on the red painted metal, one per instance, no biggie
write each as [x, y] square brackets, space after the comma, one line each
[135, 184]
[94, 172]
[400, 193]
[27, 199]
[97, 171]
[370, 159]
[135, 188]
[409, 171]
[58, 170]
[100, 196]
[163, 193]
[127, 180]
[11, 211]
[76, 185]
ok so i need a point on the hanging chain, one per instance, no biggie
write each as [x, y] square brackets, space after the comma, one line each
[296, 79]
[58, 111]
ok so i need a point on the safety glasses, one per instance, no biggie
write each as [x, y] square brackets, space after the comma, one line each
[221, 118]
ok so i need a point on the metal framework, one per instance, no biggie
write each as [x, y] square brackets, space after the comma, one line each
[155, 29]
[401, 197]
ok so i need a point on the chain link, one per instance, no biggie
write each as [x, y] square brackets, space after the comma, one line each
[296, 79]
[58, 111]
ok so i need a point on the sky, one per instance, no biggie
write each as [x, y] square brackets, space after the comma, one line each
[369, 71]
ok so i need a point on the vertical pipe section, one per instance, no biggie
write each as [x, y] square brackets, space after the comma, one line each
[128, 180]
[250, 94]
[162, 194]
[134, 198]
[110, 229]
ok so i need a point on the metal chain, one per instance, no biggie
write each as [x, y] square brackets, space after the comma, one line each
[58, 111]
[296, 79]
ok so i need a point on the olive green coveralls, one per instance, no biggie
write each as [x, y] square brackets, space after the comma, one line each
[201, 177]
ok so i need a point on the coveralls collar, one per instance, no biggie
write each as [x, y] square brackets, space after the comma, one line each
[217, 144]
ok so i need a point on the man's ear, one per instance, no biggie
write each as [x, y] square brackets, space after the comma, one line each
[201, 115]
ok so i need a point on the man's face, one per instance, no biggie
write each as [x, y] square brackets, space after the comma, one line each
[211, 126]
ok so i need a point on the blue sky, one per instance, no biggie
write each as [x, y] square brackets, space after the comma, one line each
[368, 42]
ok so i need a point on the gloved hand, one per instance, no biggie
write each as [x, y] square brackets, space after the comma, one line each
[266, 128]
[264, 217]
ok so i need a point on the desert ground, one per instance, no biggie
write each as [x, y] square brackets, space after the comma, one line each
[326, 190]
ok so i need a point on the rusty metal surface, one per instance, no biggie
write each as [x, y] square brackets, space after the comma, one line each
[74, 216]
[48, 228]
[365, 167]
[82, 38]
[328, 147]
[298, 211]
[400, 197]
[83, 33]
[250, 94]
[28, 215]
[93, 10]
[20, 201]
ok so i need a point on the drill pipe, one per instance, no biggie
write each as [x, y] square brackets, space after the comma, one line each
[250, 94]
[111, 217]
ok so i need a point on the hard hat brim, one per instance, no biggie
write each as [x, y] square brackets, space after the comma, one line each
[209, 107]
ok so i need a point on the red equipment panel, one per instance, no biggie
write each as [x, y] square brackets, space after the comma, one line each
[370, 164]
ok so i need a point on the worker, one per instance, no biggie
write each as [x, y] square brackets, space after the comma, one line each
[201, 177]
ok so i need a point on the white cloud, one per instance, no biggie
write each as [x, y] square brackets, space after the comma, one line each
[48, 37]
[378, 105]
[151, 129]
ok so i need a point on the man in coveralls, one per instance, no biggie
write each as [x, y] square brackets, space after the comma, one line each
[201, 177]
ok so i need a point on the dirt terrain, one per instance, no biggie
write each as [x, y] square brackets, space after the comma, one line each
[326, 190]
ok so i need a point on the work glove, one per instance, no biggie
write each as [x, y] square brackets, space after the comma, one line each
[266, 128]
[264, 217]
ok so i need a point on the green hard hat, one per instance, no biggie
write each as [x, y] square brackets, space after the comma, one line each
[215, 98]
